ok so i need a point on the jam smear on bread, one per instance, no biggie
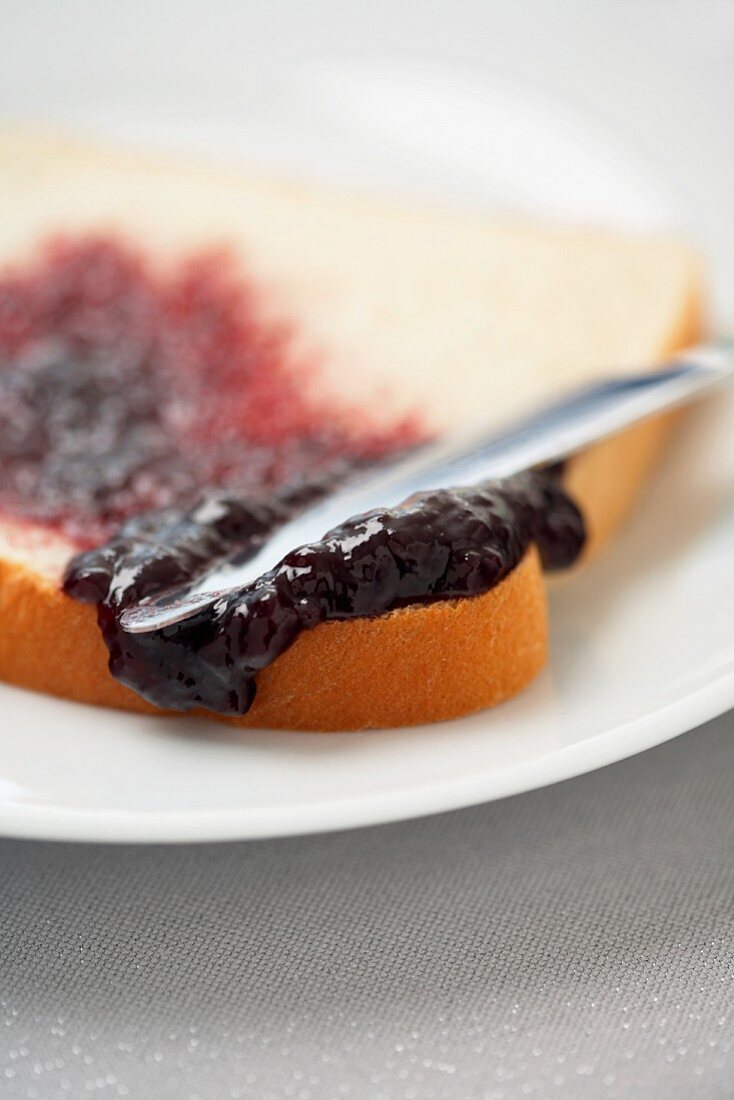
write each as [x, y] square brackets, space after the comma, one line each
[124, 389]
[155, 419]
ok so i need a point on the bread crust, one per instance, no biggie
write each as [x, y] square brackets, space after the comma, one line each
[411, 666]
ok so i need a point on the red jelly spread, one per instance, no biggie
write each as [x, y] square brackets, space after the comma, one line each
[124, 389]
[154, 415]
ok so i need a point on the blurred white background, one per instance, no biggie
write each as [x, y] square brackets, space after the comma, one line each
[599, 109]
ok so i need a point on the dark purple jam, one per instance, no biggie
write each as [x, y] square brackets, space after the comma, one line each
[158, 408]
[439, 546]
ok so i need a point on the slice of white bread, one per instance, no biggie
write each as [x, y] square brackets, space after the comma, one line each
[465, 317]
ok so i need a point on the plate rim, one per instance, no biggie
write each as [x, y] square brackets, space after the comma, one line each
[663, 723]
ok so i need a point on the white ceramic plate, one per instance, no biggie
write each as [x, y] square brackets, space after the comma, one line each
[642, 644]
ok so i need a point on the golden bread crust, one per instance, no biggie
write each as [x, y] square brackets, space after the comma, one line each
[414, 665]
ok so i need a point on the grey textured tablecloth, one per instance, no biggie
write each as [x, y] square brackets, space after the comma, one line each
[575, 942]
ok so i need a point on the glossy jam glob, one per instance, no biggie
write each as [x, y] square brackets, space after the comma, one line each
[442, 545]
[124, 389]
